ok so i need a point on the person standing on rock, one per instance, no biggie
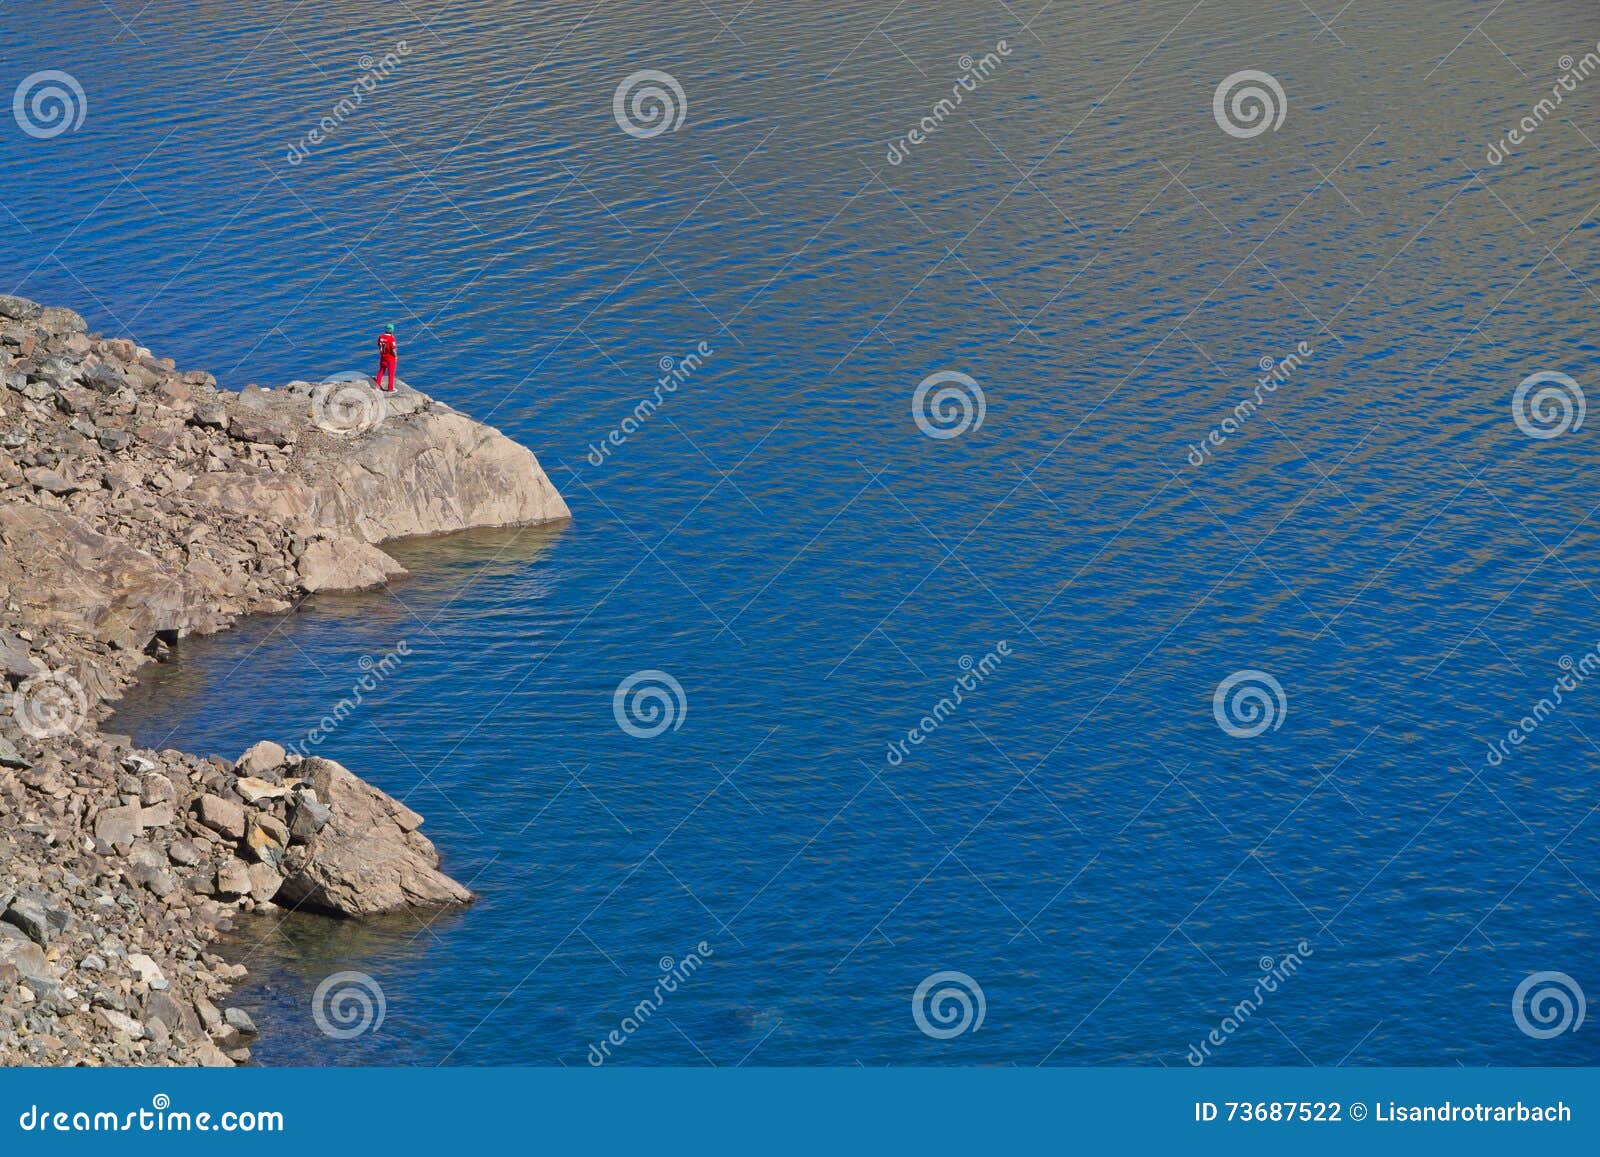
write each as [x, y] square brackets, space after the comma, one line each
[388, 357]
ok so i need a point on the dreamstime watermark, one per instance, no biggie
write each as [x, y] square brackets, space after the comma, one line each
[374, 71]
[974, 672]
[948, 404]
[347, 1005]
[974, 73]
[649, 702]
[1274, 374]
[159, 1117]
[1249, 102]
[947, 1004]
[673, 974]
[1273, 974]
[1547, 1004]
[648, 103]
[49, 103]
[1249, 703]
[1547, 405]
[49, 706]
[347, 404]
[1577, 671]
[1571, 73]
[374, 672]
[674, 372]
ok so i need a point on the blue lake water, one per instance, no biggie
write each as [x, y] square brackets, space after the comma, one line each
[1080, 837]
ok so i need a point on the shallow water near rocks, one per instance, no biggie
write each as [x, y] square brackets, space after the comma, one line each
[1080, 837]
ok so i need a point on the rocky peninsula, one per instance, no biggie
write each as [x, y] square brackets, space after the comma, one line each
[140, 504]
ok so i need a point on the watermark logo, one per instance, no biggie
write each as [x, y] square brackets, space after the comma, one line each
[1249, 703]
[947, 1004]
[1547, 405]
[1273, 974]
[674, 373]
[1248, 103]
[1547, 1004]
[1572, 71]
[947, 404]
[647, 703]
[49, 706]
[1274, 373]
[347, 1005]
[159, 1117]
[648, 103]
[674, 974]
[974, 672]
[348, 404]
[49, 103]
[374, 71]
[974, 73]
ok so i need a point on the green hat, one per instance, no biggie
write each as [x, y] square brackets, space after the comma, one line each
[388, 329]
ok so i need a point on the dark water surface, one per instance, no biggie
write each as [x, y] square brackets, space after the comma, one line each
[1079, 836]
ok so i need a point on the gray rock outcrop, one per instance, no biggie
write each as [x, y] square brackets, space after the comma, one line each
[138, 505]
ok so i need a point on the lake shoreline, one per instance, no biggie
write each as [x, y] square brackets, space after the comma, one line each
[139, 505]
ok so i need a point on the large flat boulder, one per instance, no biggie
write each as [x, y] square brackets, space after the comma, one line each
[379, 466]
[422, 468]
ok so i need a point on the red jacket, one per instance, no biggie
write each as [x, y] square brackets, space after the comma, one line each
[387, 350]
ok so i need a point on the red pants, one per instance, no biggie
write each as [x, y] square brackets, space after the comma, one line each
[385, 365]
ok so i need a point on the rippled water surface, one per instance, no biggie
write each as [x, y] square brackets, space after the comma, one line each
[1079, 836]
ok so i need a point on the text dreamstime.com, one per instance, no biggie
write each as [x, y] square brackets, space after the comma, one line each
[160, 1117]
[373, 73]
[1571, 73]
[375, 671]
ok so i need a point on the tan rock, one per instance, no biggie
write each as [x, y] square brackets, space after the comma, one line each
[119, 826]
[262, 760]
[264, 882]
[369, 858]
[345, 564]
[222, 816]
[147, 970]
[266, 843]
[233, 879]
[92, 583]
[428, 471]
[120, 1023]
[255, 790]
[273, 496]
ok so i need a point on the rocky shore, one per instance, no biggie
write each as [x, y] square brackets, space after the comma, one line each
[140, 504]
